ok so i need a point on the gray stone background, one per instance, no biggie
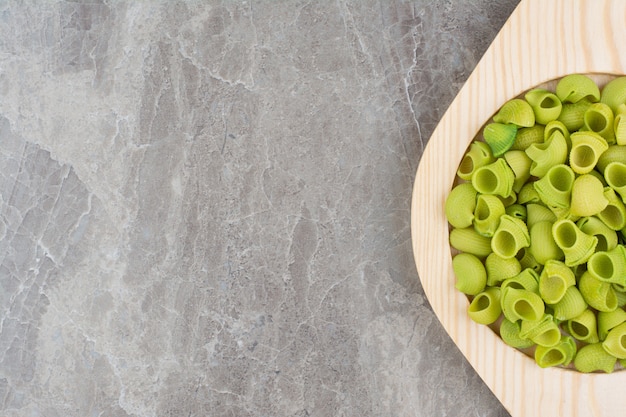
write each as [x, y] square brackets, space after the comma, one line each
[205, 206]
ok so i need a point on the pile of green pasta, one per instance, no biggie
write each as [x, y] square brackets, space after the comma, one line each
[538, 222]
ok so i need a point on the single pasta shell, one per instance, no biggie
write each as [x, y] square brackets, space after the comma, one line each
[587, 196]
[574, 87]
[587, 147]
[614, 93]
[517, 112]
[593, 357]
[499, 137]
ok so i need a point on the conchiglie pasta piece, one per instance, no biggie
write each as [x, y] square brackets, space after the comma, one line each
[614, 215]
[460, 205]
[543, 332]
[485, 307]
[526, 136]
[528, 194]
[615, 342]
[574, 87]
[614, 153]
[614, 93]
[542, 244]
[528, 280]
[555, 188]
[561, 354]
[572, 114]
[554, 281]
[536, 213]
[509, 332]
[498, 269]
[478, 155]
[546, 105]
[522, 305]
[599, 118]
[489, 209]
[598, 294]
[608, 320]
[496, 178]
[609, 266]
[593, 358]
[517, 112]
[499, 137]
[593, 226]
[547, 154]
[520, 164]
[557, 126]
[571, 305]
[615, 176]
[527, 260]
[619, 125]
[470, 241]
[576, 245]
[587, 196]
[471, 276]
[511, 235]
[587, 147]
[584, 327]
[518, 211]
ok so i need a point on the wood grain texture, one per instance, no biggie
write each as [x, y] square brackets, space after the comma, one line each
[541, 41]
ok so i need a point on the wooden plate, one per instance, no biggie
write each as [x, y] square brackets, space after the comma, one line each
[542, 40]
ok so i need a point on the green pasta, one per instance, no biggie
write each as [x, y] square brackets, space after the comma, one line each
[576, 245]
[500, 137]
[537, 221]
[555, 188]
[614, 93]
[573, 114]
[584, 327]
[593, 357]
[544, 332]
[471, 276]
[598, 294]
[554, 281]
[615, 342]
[517, 112]
[528, 280]
[607, 320]
[609, 266]
[587, 196]
[594, 226]
[587, 147]
[575, 87]
[498, 268]
[545, 104]
[485, 307]
[489, 209]
[522, 305]
[542, 244]
[547, 154]
[510, 236]
[599, 119]
[460, 205]
[615, 176]
[510, 334]
[520, 164]
[614, 215]
[496, 178]
[470, 241]
[478, 155]
[561, 354]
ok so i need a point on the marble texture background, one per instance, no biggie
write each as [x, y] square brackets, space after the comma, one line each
[204, 207]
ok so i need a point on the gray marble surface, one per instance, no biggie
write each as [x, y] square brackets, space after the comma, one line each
[205, 207]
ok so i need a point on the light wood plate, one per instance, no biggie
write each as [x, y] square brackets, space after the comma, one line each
[542, 40]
